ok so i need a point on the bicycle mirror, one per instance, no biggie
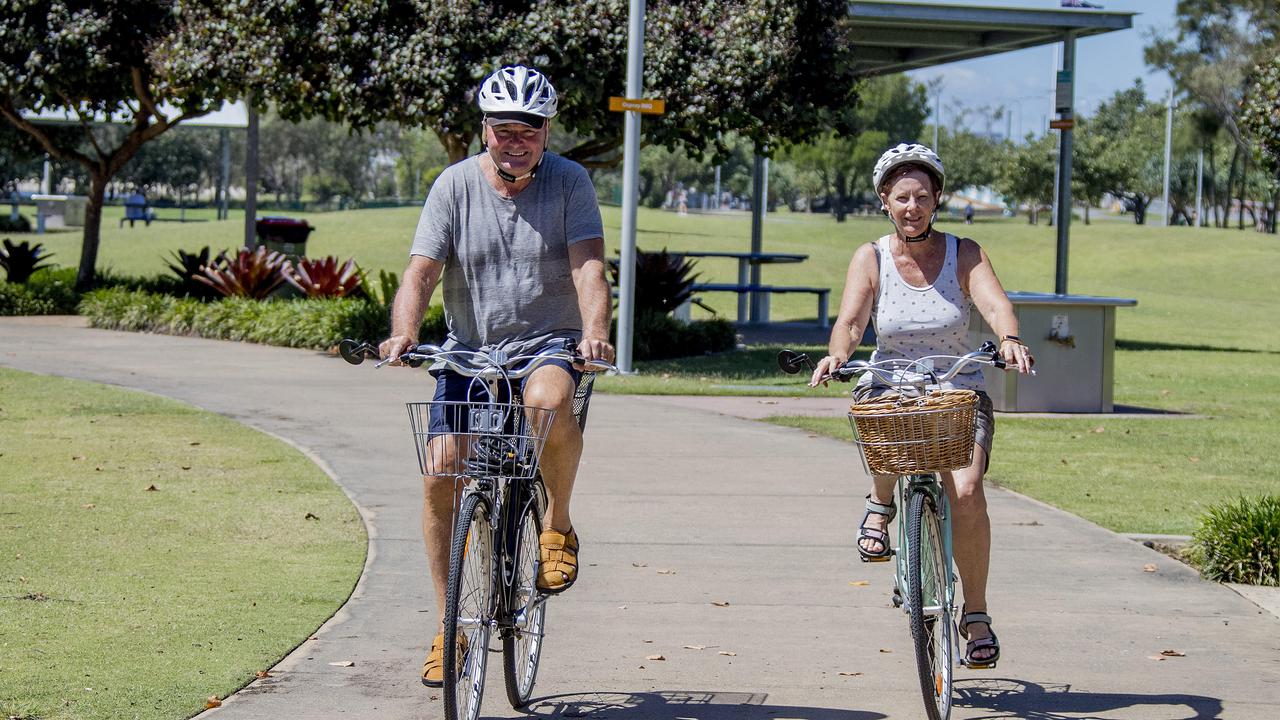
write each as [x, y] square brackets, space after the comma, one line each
[352, 351]
[790, 361]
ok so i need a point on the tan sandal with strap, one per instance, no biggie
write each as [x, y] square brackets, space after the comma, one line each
[559, 568]
[433, 668]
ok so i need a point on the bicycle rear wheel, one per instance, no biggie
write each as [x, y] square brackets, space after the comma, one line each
[522, 644]
[928, 604]
[468, 609]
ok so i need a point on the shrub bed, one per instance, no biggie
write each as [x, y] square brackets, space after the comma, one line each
[660, 337]
[1239, 541]
[318, 323]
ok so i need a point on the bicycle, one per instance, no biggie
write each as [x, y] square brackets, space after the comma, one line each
[494, 553]
[917, 433]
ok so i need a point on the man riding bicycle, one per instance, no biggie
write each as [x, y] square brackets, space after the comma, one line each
[515, 235]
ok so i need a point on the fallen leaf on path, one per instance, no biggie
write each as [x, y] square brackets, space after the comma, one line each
[695, 647]
[767, 402]
[850, 674]
[212, 702]
[859, 583]
[654, 657]
[1173, 653]
[730, 653]
[720, 603]
[639, 564]
[263, 674]
[343, 663]
[1149, 567]
[1155, 657]
[666, 572]
[885, 650]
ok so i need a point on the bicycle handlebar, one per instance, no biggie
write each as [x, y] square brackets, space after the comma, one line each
[894, 372]
[489, 365]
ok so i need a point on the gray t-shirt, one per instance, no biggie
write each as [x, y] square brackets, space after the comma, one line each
[507, 275]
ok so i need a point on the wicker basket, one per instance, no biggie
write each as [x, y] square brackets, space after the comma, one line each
[900, 435]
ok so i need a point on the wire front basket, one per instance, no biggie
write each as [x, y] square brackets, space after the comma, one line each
[479, 439]
[903, 435]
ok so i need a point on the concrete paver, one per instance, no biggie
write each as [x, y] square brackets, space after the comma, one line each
[735, 511]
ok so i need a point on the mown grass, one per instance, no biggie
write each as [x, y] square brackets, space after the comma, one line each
[1203, 331]
[151, 554]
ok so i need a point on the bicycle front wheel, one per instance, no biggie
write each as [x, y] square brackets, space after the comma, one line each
[929, 605]
[522, 645]
[468, 609]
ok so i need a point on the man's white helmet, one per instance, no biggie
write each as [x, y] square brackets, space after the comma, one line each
[518, 89]
[904, 154]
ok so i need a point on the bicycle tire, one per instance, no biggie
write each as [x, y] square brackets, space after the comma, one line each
[928, 606]
[470, 600]
[522, 644]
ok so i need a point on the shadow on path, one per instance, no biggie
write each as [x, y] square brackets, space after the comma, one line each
[1007, 698]
[671, 704]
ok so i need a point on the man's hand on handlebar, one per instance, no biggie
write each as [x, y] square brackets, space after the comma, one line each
[395, 346]
[594, 349]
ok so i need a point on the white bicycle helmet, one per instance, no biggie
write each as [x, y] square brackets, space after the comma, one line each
[903, 154]
[518, 89]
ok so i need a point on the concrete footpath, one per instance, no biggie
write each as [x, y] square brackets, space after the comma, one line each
[723, 545]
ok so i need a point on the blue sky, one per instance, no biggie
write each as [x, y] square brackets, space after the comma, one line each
[1023, 80]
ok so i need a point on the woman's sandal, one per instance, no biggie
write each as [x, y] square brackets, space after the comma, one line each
[880, 536]
[559, 567]
[991, 643]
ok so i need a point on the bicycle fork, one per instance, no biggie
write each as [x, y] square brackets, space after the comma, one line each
[931, 485]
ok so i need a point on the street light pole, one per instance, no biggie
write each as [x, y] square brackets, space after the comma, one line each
[630, 188]
[1168, 151]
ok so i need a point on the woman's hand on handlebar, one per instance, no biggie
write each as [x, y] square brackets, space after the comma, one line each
[594, 349]
[1016, 356]
[824, 369]
[395, 346]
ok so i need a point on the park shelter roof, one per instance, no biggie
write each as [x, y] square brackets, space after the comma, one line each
[890, 37]
[229, 115]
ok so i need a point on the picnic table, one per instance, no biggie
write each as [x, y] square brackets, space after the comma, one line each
[753, 298]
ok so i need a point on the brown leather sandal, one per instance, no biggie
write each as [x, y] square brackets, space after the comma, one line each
[433, 668]
[559, 567]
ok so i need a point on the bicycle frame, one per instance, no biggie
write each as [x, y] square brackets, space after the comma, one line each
[930, 483]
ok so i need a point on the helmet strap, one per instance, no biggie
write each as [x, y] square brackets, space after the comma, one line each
[508, 177]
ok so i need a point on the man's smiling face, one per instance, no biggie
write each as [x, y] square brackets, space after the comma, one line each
[516, 147]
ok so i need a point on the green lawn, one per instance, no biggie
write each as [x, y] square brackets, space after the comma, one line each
[1203, 331]
[153, 555]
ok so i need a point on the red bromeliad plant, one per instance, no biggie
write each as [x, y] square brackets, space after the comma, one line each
[325, 277]
[249, 273]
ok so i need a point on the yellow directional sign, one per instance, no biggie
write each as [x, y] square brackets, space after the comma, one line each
[651, 106]
[1064, 124]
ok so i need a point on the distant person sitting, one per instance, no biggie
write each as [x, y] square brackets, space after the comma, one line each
[135, 208]
[968, 214]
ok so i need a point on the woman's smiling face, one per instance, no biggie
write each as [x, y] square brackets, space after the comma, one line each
[911, 201]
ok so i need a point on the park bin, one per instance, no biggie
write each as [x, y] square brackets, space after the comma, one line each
[283, 234]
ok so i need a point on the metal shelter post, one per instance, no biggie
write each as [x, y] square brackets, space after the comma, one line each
[224, 179]
[757, 228]
[1066, 111]
[251, 178]
[630, 186]
[1168, 147]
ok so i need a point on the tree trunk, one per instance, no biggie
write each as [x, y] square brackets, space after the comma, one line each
[1275, 206]
[92, 230]
[842, 183]
[1231, 181]
[1244, 185]
[455, 144]
[1213, 184]
[1139, 210]
[1086, 213]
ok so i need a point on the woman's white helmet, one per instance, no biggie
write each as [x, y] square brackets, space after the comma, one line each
[518, 89]
[908, 154]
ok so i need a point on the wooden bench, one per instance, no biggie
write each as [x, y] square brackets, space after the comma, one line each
[762, 294]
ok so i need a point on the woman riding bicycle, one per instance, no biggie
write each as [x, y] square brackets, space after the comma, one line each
[916, 284]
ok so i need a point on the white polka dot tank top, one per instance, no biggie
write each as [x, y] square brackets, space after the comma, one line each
[914, 322]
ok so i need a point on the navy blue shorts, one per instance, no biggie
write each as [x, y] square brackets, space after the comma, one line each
[452, 387]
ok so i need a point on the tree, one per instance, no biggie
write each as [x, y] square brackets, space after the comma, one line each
[1217, 44]
[1026, 175]
[93, 60]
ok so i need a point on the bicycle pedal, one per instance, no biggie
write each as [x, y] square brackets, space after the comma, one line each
[977, 666]
[886, 558]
